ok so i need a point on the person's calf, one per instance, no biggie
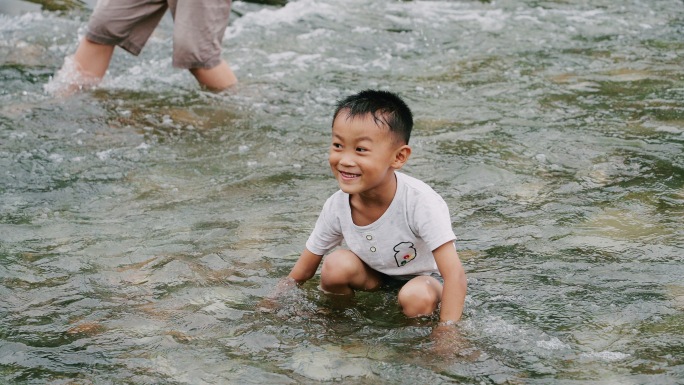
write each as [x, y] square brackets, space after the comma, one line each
[215, 79]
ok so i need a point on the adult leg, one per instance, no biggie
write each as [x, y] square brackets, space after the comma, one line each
[124, 23]
[92, 59]
[82, 70]
[343, 272]
[420, 296]
[217, 78]
[198, 31]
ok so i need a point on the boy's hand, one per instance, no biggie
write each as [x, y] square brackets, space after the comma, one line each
[271, 303]
[450, 343]
[304, 269]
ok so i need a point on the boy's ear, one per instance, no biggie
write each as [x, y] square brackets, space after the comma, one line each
[401, 156]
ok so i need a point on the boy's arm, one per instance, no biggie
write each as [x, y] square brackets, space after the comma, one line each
[303, 270]
[455, 283]
[306, 267]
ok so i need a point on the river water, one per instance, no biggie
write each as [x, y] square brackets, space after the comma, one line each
[143, 223]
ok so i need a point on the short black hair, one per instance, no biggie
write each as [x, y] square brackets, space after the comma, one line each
[385, 107]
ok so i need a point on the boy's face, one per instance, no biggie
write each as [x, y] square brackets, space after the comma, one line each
[363, 155]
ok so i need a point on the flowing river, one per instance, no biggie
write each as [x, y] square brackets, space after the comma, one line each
[142, 223]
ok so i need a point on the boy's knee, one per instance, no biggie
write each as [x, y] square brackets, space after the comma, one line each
[419, 298]
[339, 272]
[338, 265]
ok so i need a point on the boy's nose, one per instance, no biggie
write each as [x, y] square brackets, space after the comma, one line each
[347, 161]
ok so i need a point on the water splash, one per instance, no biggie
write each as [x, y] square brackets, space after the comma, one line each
[69, 79]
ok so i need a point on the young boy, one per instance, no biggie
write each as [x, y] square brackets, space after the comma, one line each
[395, 226]
[198, 31]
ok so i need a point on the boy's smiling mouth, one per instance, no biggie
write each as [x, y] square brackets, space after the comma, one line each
[348, 175]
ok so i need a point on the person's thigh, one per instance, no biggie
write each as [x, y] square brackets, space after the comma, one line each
[126, 23]
[198, 31]
[343, 271]
[420, 296]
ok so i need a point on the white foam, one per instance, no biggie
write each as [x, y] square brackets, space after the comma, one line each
[69, 79]
[104, 155]
[12, 23]
[57, 158]
[431, 12]
[606, 355]
[17, 135]
[669, 129]
[552, 344]
[541, 158]
[290, 14]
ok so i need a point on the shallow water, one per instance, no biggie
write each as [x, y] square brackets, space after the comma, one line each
[143, 222]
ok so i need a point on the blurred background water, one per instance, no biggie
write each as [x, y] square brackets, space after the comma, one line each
[142, 222]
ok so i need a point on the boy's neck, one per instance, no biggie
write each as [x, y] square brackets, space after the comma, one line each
[369, 206]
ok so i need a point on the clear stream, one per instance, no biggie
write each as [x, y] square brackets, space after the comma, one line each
[142, 223]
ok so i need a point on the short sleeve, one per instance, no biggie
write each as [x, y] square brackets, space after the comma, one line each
[431, 219]
[327, 233]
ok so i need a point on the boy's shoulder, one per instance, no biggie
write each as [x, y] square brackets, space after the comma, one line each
[415, 184]
[336, 200]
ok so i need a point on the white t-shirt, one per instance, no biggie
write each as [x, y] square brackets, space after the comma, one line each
[400, 242]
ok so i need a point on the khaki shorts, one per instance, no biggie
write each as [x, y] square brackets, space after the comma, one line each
[198, 29]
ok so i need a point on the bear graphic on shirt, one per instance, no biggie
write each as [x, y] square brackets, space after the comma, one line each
[404, 253]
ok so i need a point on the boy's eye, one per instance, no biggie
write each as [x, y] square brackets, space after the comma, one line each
[336, 145]
[361, 149]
